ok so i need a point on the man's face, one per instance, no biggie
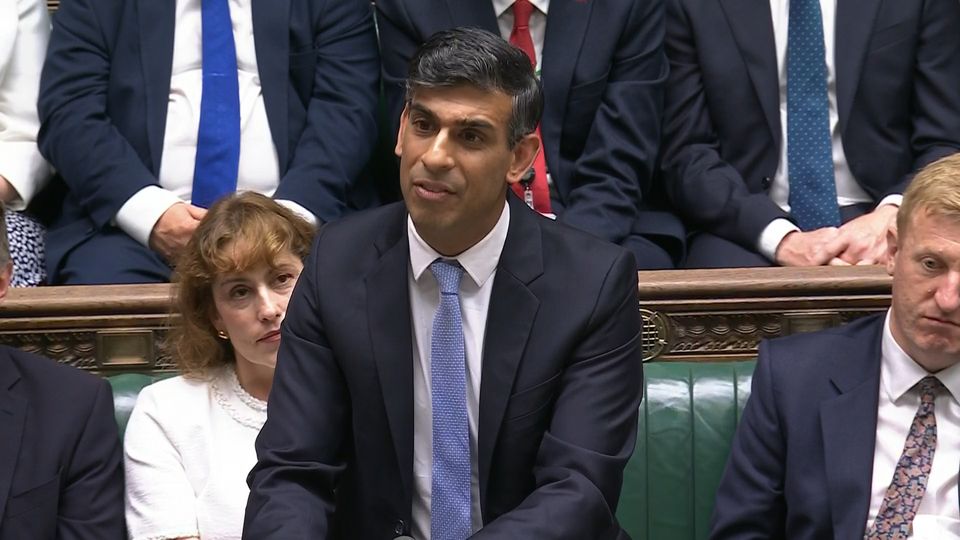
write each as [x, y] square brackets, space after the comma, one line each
[925, 265]
[456, 163]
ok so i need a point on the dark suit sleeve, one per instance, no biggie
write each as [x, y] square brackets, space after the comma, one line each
[579, 466]
[99, 165]
[705, 189]
[400, 42]
[936, 101]
[341, 127]
[299, 448]
[91, 499]
[616, 165]
[750, 502]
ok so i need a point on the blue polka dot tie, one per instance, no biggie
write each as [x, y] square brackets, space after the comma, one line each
[450, 501]
[902, 498]
[813, 190]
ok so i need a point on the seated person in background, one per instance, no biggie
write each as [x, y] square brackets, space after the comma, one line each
[61, 474]
[854, 432]
[440, 374]
[152, 110]
[602, 68]
[189, 443]
[24, 31]
[791, 128]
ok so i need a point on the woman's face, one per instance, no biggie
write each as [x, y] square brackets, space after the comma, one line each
[250, 306]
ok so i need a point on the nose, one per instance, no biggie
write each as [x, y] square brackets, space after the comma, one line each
[947, 295]
[270, 306]
[438, 157]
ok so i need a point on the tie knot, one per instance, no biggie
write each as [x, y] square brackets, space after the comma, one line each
[928, 388]
[448, 275]
[522, 9]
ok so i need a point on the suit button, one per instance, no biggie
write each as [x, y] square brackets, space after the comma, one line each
[766, 182]
[399, 526]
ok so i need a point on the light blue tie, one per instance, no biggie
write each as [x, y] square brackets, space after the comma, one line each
[218, 139]
[450, 506]
[813, 190]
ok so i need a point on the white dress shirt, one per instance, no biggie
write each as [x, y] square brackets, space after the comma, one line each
[848, 190]
[187, 450]
[939, 514]
[259, 169]
[480, 266]
[24, 32]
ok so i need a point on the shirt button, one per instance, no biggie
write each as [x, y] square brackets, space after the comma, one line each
[766, 182]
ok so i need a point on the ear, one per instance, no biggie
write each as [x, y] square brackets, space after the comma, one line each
[892, 248]
[398, 149]
[6, 273]
[522, 157]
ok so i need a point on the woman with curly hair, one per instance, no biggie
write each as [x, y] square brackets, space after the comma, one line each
[190, 440]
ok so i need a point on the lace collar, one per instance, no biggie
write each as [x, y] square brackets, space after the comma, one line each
[237, 402]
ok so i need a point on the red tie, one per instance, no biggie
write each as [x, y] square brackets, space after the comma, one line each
[535, 192]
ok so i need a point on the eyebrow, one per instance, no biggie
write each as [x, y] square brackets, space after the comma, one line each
[475, 123]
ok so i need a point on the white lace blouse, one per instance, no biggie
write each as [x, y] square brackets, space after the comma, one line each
[187, 450]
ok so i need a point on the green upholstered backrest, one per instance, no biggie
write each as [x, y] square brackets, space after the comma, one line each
[126, 387]
[688, 417]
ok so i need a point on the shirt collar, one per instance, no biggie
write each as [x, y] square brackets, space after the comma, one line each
[479, 261]
[501, 6]
[900, 373]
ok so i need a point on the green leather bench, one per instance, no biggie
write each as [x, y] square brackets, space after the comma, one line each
[687, 420]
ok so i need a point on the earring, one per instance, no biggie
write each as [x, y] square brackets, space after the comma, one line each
[222, 335]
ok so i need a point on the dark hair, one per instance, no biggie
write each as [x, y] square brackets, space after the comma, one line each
[475, 57]
[239, 232]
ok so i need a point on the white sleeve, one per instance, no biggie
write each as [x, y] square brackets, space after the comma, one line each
[24, 32]
[160, 502]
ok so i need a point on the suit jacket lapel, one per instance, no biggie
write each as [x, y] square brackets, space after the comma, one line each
[852, 34]
[388, 313]
[157, 21]
[849, 423]
[567, 22]
[271, 28]
[750, 22]
[510, 317]
[13, 410]
[473, 13]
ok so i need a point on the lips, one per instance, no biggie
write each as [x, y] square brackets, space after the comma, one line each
[431, 189]
[942, 321]
[271, 336]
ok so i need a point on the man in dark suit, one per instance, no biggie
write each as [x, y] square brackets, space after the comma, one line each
[379, 425]
[602, 68]
[874, 99]
[61, 473]
[128, 109]
[835, 415]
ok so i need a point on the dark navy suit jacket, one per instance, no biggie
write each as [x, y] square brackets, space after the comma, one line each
[61, 468]
[561, 383]
[897, 74]
[801, 465]
[106, 82]
[603, 71]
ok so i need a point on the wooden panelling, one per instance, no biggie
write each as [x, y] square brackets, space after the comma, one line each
[688, 315]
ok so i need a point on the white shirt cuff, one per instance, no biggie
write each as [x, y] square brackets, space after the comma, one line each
[26, 170]
[141, 212]
[772, 235]
[895, 200]
[298, 210]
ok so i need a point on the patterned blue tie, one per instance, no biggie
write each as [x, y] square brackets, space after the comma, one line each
[813, 190]
[450, 506]
[218, 139]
